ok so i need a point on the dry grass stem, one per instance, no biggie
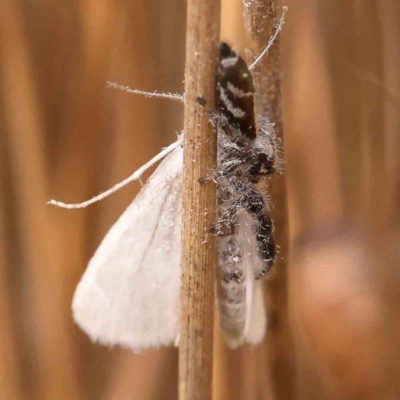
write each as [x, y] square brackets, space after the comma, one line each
[198, 203]
[263, 24]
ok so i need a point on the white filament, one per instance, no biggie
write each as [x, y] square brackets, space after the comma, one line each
[170, 96]
[271, 39]
[134, 177]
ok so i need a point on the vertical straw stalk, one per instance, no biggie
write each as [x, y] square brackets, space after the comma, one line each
[262, 20]
[198, 204]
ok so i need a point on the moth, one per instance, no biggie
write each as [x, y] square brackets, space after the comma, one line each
[129, 294]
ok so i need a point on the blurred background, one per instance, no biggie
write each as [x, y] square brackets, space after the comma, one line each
[64, 135]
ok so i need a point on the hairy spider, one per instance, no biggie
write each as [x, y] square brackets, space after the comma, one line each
[248, 151]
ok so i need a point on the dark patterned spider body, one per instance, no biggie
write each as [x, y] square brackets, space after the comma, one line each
[248, 151]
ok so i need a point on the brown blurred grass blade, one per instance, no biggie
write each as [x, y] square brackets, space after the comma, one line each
[45, 323]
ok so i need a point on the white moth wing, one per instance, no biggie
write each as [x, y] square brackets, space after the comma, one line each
[256, 321]
[232, 293]
[241, 305]
[129, 294]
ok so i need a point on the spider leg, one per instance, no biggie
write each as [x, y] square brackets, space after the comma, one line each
[212, 114]
[226, 168]
[253, 202]
[224, 225]
[266, 243]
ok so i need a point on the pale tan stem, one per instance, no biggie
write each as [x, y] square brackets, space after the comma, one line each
[262, 18]
[198, 204]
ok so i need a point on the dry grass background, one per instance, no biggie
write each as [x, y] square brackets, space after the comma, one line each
[65, 136]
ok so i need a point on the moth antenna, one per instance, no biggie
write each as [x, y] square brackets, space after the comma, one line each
[170, 96]
[272, 39]
[134, 177]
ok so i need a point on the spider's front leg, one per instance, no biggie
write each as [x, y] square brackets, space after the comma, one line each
[226, 168]
[212, 114]
[224, 225]
[228, 205]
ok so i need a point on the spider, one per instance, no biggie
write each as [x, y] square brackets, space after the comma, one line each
[247, 153]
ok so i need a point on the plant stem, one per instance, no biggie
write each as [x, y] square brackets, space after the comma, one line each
[261, 17]
[198, 204]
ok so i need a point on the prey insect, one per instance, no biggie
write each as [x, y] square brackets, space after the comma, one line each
[129, 294]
